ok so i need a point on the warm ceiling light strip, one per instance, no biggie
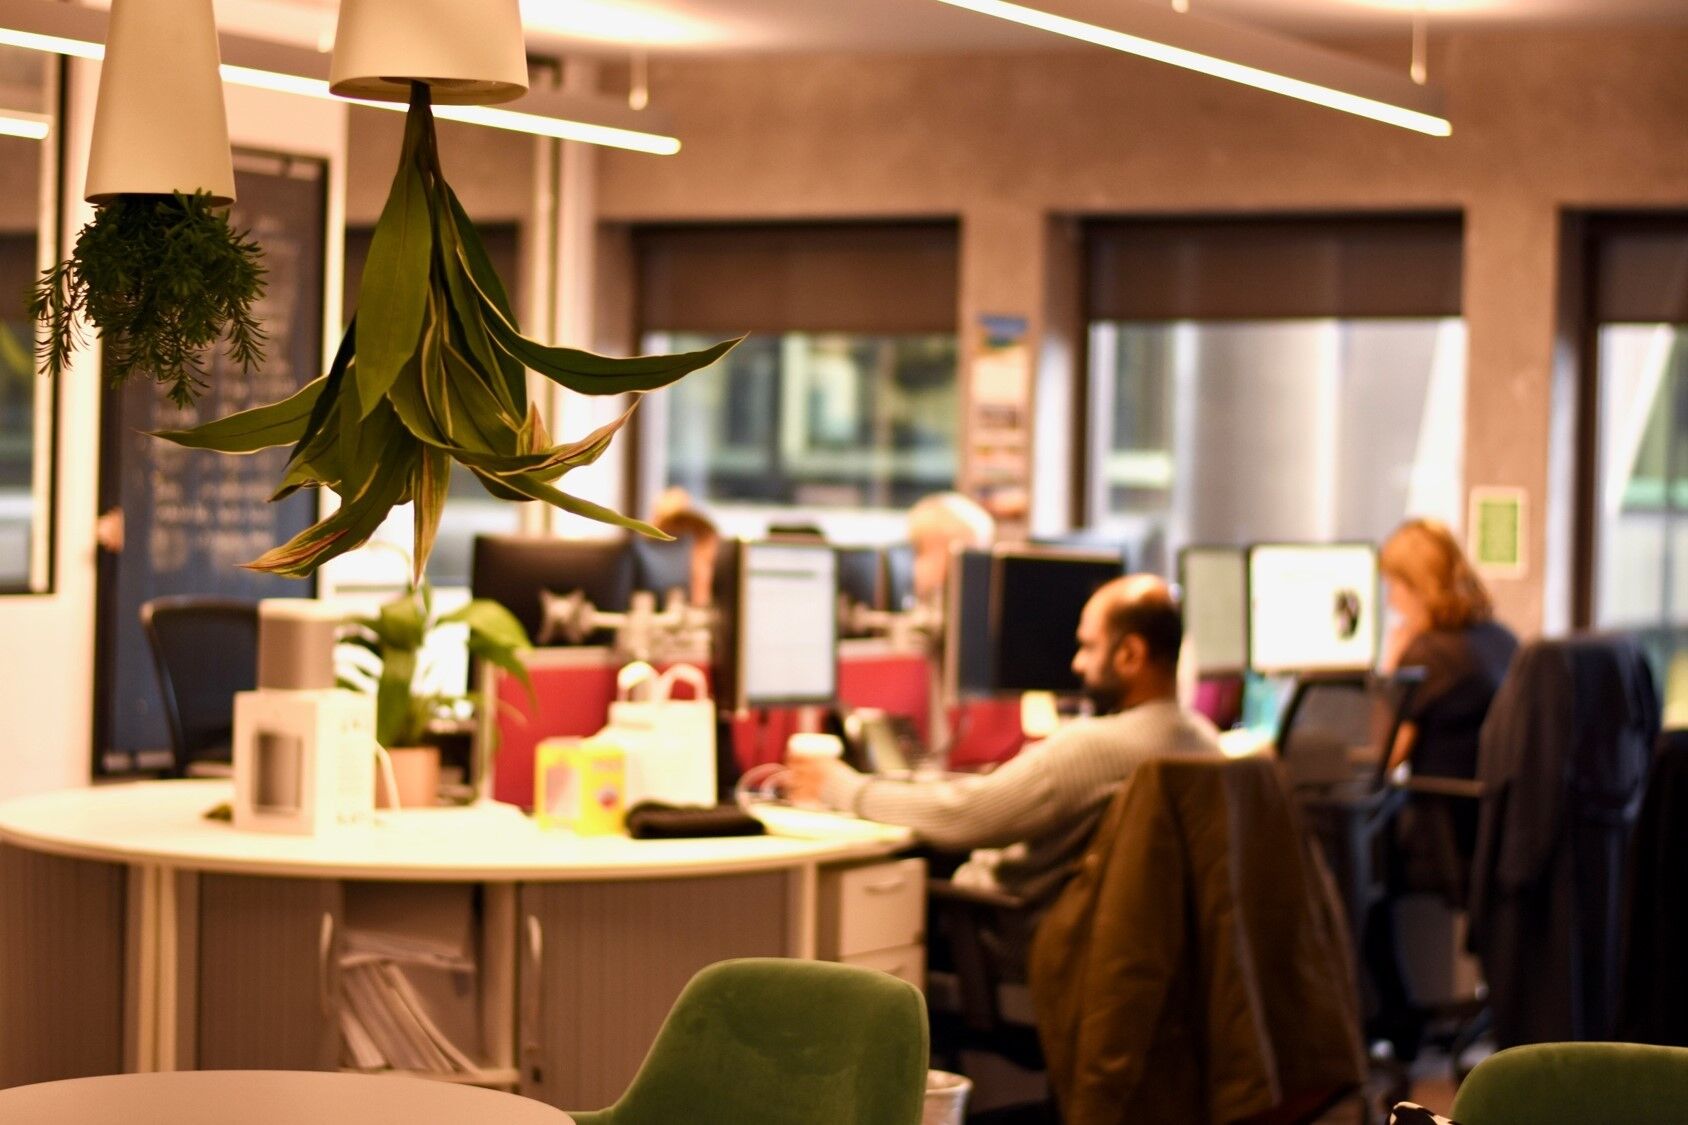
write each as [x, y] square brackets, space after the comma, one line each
[1236, 53]
[29, 126]
[67, 29]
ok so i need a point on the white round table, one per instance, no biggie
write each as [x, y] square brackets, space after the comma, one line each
[267, 1097]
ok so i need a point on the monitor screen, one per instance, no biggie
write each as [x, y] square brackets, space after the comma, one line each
[859, 573]
[1214, 586]
[967, 624]
[1036, 599]
[899, 576]
[516, 571]
[1312, 608]
[787, 635]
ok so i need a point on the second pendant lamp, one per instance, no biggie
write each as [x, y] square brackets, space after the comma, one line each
[469, 52]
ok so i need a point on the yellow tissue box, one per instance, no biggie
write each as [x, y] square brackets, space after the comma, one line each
[581, 786]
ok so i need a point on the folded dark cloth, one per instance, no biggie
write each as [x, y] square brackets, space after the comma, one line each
[653, 820]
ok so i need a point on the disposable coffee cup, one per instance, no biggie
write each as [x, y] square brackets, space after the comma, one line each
[805, 746]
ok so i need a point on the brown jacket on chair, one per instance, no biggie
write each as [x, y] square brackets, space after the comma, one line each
[1196, 968]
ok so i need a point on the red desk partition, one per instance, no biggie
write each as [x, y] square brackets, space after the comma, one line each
[573, 688]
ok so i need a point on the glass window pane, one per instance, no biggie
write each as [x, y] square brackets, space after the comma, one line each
[829, 420]
[26, 402]
[1641, 498]
[1254, 430]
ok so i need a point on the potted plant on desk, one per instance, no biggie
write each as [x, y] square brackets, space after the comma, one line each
[386, 657]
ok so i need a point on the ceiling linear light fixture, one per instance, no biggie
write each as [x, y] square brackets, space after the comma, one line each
[68, 29]
[1236, 53]
[29, 126]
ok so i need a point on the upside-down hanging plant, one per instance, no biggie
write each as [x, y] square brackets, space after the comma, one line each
[163, 278]
[431, 371]
[158, 270]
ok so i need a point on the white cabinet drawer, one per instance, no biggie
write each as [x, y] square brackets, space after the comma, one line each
[872, 907]
[907, 963]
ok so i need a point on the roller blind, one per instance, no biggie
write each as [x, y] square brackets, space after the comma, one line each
[836, 277]
[1640, 270]
[1236, 269]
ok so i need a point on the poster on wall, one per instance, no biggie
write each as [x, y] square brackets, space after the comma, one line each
[999, 426]
[1495, 531]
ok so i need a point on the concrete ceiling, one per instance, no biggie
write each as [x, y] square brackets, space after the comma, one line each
[735, 26]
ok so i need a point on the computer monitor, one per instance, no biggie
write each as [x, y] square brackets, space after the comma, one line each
[515, 571]
[1037, 596]
[861, 576]
[1312, 608]
[967, 624]
[1011, 617]
[777, 624]
[1213, 582]
[1094, 540]
[899, 576]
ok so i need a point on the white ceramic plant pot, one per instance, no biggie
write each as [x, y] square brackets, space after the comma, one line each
[159, 123]
[469, 51]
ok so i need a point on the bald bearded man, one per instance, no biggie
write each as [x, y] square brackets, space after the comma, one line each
[1029, 820]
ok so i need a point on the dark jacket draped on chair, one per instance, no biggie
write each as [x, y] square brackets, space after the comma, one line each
[1563, 761]
[1196, 968]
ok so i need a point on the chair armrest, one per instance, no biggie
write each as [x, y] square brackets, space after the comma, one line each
[1444, 787]
[947, 890]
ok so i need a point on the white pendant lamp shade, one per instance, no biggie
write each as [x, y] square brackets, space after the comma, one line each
[159, 123]
[469, 51]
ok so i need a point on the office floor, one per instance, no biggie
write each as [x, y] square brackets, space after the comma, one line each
[1432, 1087]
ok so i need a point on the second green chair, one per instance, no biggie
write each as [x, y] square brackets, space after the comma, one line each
[769, 1041]
[1577, 1084]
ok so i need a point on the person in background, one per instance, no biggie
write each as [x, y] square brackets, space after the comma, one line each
[676, 514]
[1029, 820]
[1444, 623]
[937, 524]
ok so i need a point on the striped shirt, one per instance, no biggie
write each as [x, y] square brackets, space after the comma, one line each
[1034, 814]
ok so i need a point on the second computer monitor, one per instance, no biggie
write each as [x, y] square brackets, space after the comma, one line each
[1312, 607]
[1213, 583]
[1037, 597]
[1012, 617]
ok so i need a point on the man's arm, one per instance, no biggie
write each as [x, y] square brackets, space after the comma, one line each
[1017, 800]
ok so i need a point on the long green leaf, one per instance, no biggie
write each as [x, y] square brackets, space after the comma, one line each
[403, 624]
[394, 292]
[506, 378]
[262, 427]
[589, 373]
[432, 480]
[548, 464]
[392, 696]
[350, 525]
[329, 400]
[536, 489]
[496, 488]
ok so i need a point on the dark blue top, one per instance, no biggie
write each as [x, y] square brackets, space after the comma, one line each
[1463, 669]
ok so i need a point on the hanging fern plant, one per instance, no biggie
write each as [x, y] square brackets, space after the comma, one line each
[163, 278]
[431, 371]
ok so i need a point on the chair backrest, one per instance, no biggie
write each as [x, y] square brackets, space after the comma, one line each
[205, 650]
[784, 1042]
[1576, 1083]
[1330, 715]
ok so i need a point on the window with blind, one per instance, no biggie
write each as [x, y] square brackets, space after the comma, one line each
[1271, 379]
[844, 396]
[1638, 335]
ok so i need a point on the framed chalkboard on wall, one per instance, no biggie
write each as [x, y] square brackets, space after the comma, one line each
[186, 519]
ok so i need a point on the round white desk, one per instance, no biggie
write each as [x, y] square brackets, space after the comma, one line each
[137, 935]
[266, 1097]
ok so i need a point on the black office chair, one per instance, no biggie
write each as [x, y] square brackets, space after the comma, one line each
[205, 650]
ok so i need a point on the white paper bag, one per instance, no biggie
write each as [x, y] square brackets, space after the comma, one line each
[669, 743]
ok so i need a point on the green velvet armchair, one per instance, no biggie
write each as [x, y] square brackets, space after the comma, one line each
[768, 1041]
[1581, 1083]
